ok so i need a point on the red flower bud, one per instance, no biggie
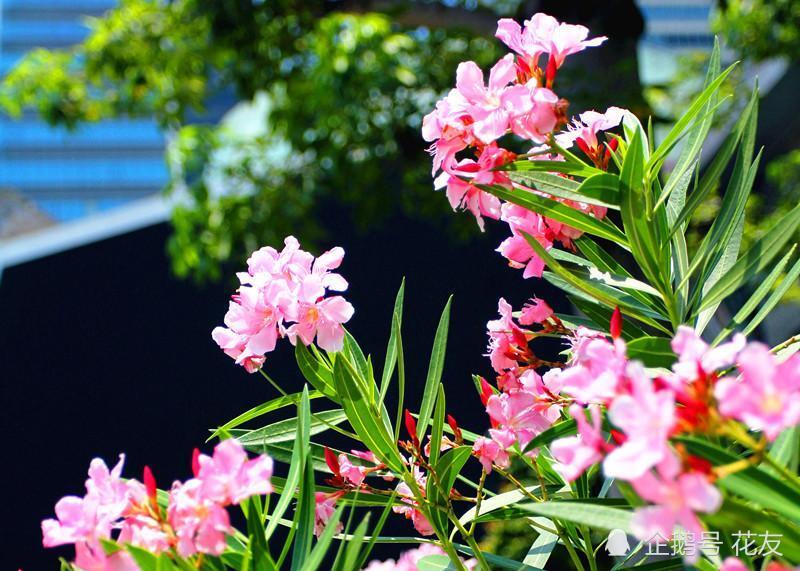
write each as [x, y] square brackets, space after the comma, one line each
[332, 461]
[411, 424]
[454, 427]
[551, 70]
[615, 327]
[150, 485]
[613, 143]
[583, 146]
[619, 437]
[699, 464]
[196, 462]
[486, 391]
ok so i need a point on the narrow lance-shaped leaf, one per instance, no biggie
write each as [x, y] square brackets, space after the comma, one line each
[756, 259]
[435, 369]
[391, 347]
[557, 211]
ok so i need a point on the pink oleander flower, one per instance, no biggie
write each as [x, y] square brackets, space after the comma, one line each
[201, 524]
[351, 472]
[229, 477]
[490, 452]
[535, 311]
[733, 564]
[584, 129]
[506, 339]
[516, 248]
[409, 510]
[93, 516]
[597, 368]
[407, 561]
[143, 531]
[647, 417]
[92, 557]
[325, 506]
[678, 497]
[695, 355]
[464, 194]
[537, 124]
[519, 417]
[544, 34]
[575, 454]
[283, 293]
[767, 396]
[492, 107]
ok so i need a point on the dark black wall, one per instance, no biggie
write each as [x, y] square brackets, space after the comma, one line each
[102, 351]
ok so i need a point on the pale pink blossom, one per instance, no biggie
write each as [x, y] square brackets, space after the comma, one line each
[516, 248]
[408, 560]
[519, 416]
[464, 194]
[677, 498]
[544, 34]
[323, 511]
[490, 452]
[535, 311]
[588, 124]
[201, 524]
[505, 338]
[492, 107]
[767, 395]
[409, 507]
[143, 531]
[94, 515]
[318, 317]
[733, 564]
[92, 557]
[352, 473]
[574, 454]
[229, 477]
[597, 368]
[542, 118]
[695, 355]
[647, 417]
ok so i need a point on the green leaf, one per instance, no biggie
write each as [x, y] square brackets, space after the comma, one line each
[561, 429]
[757, 486]
[354, 543]
[774, 298]
[257, 549]
[735, 516]
[558, 211]
[437, 428]
[391, 347]
[785, 451]
[599, 317]
[593, 515]
[540, 550]
[764, 287]
[755, 260]
[574, 168]
[286, 430]
[697, 136]
[447, 469]
[600, 292]
[695, 109]
[435, 563]
[364, 417]
[497, 502]
[635, 210]
[316, 371]
[652, 351]
[601, 189]
[304, 519]
[714, 171]
[320, 550]
[296, 466]
[435, 369]
[263, 409]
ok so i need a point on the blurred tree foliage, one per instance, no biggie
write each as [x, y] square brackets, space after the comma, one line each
[336, 90]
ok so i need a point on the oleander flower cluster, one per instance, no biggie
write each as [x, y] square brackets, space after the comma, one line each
[710, 391]
[194, 520]
[468, 126]
[283, 294]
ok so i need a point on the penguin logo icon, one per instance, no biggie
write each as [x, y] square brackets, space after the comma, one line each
[617, 543]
